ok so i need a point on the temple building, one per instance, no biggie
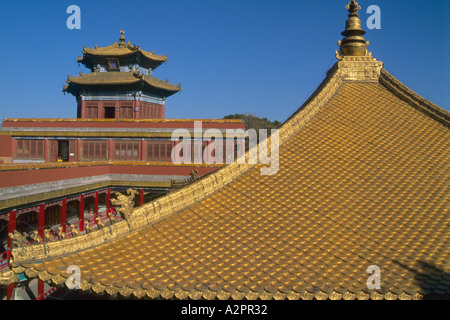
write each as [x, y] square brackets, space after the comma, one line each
[120, 114]
[357, 210]
[57, 173]
[120, 84]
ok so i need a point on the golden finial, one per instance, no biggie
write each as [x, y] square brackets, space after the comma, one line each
[354, 43]
[353, 7]
[122, 37]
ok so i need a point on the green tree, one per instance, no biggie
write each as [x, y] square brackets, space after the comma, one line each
[254, 122]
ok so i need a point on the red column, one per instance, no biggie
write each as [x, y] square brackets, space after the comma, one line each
[11, 287]
[46, 150]
[81, 212]
[137, 109]
[41, 221]
[83, 109]
[96, 205]
[63, 214]
[12, 224]
[110, 149]
[141, 197]
[78, 150]
[40, 290]
[143, 150]
[11, 228]
[108, 205]
[117, 110]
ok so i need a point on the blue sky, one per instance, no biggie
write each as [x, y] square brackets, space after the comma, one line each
[263, 57]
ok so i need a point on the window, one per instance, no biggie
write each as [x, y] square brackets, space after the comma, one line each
[126, 110]
[94, 150]
[113, 64]
[91, 109]
[92, 112]
[31, 149]
[159, 150]
[126, 150]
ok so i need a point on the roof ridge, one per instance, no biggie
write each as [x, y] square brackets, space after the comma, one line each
[403, 92]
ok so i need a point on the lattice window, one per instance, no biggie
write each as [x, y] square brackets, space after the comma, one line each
[92, 112]
[94, 150]
[126, 110]
[33, 149]
[145, 107]
[126, 150]
[159, 150]
[91, 109]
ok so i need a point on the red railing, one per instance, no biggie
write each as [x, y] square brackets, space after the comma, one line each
[104, 216]
[3, 260]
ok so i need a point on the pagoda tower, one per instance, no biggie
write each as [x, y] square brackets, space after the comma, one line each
[120, 85]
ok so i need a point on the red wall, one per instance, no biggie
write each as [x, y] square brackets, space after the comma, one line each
[107, 123]
[5, 146]
[12, 178]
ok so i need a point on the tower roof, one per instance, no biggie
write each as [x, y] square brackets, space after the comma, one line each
[93, 56]
[132, 79]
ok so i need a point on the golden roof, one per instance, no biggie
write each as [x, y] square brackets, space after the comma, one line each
[119, 78]
[363, 180]
[122, 49]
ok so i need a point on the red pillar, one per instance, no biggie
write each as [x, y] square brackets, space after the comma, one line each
[111, 149]
[81, 212]
[96, 205]
[141, 197]
[143, 150]
[83, 109]
[78, 150]
[63, 214]
[11, 287]
[46, 150]
[117, 110]
[137, 109]
[11, 228]
[40, 290]
[41, 221]
[108, 205]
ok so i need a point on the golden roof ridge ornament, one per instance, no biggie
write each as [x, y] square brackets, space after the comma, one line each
[122, 38]
[354, 43]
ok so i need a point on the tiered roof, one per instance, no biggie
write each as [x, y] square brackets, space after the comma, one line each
[92, 56]
[363, 180]
[120, 81]
[134, 79]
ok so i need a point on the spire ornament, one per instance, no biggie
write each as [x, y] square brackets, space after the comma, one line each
[122, 38]
[353, 7]
[354, 43]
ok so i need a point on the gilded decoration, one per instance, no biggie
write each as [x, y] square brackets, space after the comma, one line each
[125, 203]
[8, 276]
[359, 69]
